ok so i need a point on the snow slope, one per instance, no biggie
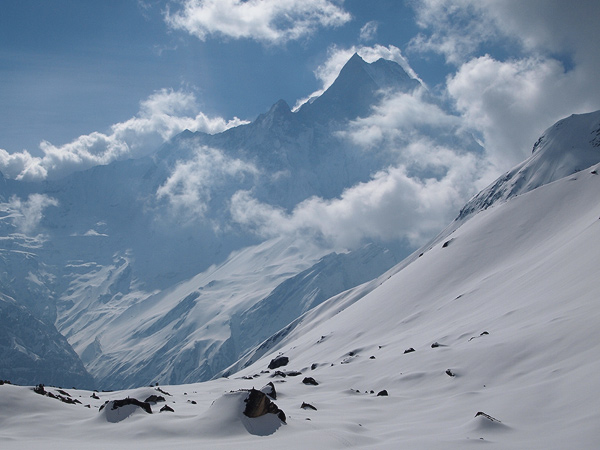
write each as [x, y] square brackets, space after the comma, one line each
[502, 316]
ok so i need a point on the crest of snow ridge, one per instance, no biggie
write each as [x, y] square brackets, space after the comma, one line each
[570, 145]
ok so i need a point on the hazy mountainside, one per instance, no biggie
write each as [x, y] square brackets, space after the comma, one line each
[81, 252]
[195, 329]
[488, 337]
[29, 346]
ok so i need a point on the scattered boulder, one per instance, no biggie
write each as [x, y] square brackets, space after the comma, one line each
[383, 393]
[435, 345]
[258, 404]
[278, 373]
[94, 396]
[65, 393]
[307, 406]
[313, 366]
[409, 350]
[39, 389]
[310, 381]
[279, 361]
[155, 399]
[450, 373]
[372, 357]
[293, 373]
[167, 408]
[269, 389]
[487, 416]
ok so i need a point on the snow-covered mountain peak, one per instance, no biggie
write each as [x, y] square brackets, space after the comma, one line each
[570, 145]
[355, 89]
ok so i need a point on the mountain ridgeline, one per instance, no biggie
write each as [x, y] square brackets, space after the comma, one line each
[140, 267]
[85, 252]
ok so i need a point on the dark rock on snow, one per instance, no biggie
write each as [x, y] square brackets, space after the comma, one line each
[155, 399]
[383, 393]
[278, 373]
[167, 408]
[129, 401]
[487, 416]
[409, 350]
[269, 389]
[258, 404]
[279, 361]
[308, 406]
[310, 381]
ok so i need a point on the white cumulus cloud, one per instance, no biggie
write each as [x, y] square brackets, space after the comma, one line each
[26, 215]
[161, 116]
[368, 31]
[191, 184]
[509, 102]
[394, 205]
[267, 21]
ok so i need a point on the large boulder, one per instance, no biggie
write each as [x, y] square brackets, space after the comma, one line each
[279, 361]
[258, 404]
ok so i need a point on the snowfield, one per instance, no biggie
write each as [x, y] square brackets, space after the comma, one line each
[502, 315]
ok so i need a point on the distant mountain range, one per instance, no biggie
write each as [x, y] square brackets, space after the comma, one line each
[138, 265]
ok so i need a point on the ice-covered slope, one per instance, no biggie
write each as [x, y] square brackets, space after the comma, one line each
[570, 145]
[502, 317]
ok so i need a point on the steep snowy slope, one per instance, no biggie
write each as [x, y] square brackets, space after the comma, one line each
[502, 317]
[570, 145]
[200, 326]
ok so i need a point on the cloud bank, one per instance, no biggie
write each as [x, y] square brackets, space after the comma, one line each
[26, 215]
[393, 205]
[192, 183]
[272, 22]
[161, 116]
[509, 102]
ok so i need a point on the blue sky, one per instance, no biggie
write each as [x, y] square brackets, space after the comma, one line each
[94, 81]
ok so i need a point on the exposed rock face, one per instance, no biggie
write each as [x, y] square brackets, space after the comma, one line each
[258, 404]
[31, 351]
